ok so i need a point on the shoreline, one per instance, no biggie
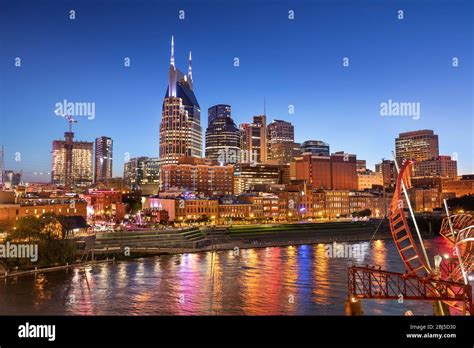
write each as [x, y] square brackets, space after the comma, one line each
[238, 243]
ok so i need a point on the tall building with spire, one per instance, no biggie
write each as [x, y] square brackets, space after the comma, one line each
[180, 128]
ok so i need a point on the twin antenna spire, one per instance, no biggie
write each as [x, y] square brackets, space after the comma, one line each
[190, 69]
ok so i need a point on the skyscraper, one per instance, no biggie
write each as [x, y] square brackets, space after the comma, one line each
[419, 145]
[222, 136]
[279, 131]
[103, 159]
[180, 128]
[281, 145]
[72, 162]
[219, 110]
[254, 140]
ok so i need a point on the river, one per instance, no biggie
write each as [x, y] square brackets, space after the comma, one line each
[293, 280]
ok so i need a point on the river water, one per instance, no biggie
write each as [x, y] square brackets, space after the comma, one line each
[293, 280]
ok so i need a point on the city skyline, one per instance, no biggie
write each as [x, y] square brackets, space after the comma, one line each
[202, 158]
[329, 115]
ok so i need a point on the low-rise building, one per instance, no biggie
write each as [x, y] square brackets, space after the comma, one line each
[183, 209]
[367, 179]
[104, 202]
[11, 213]
[460, 187]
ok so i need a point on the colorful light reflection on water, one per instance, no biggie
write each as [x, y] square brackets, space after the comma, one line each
[294, 280]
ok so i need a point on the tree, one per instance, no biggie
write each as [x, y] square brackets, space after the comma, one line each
[134, 203]
[51, 228]
[47, 233]
[27, 228]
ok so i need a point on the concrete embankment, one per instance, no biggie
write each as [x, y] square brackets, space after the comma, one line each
[243, 236]
[132, 245]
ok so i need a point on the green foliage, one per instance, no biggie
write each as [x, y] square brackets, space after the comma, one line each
[134, 203]
[48, 234]
[27, 228]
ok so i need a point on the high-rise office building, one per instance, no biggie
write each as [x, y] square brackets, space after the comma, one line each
[315, 147]
[222, 136]
[103, 159]
[282, 148]
[442, 167]
[180, 128]
[140, 172]
[421, 145]
[279, 131]
[247, 176]
[254, 140]
[283, 153]
[72, 162]
[219, 110]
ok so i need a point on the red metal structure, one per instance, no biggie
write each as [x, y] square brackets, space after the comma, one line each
[371, 283]
[447, 284]
[401, 234]
[459, 231]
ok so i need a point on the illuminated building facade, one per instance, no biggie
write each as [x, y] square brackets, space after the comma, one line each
[442, 166]
[223, 138]
[184, 209]
[336, 172]
[419, 145]
[141, 172]
[463, 186]
[281, 145]
[254, 140]
[72, 162]
[103, 159]
[199, 175]
[247, 176]
[389, 172]
[283, 153]
[368, 179]
[180, 128]
[279, 131]
[10, 213]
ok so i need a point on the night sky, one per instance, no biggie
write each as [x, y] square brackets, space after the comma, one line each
[295, 62]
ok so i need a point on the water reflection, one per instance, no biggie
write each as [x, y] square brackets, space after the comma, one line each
[269, 281]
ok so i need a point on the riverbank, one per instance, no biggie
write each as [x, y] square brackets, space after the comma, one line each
[131, 246]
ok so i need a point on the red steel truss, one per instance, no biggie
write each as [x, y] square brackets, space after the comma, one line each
[406, 246]
[366, 282]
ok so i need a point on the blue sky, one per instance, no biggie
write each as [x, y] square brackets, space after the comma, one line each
[289, 62]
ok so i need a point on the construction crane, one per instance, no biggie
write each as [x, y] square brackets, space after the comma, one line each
[68, 137]
[69, 118]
